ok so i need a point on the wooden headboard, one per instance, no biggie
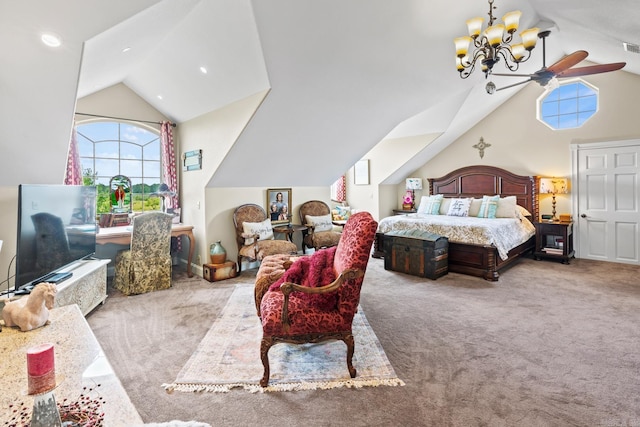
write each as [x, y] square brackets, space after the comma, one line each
[477, 181]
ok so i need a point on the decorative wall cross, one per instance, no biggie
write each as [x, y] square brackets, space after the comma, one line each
[481, 146]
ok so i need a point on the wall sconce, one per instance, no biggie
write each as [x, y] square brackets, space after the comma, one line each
[412, 185]
[554, 186]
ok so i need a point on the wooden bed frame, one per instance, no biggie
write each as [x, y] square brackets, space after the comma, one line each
[477, 181]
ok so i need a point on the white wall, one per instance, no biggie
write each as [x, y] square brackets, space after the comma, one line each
[210, 210]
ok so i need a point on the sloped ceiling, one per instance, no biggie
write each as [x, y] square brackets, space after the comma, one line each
[342, 75]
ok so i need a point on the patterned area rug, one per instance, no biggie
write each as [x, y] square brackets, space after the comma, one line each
[229, 357]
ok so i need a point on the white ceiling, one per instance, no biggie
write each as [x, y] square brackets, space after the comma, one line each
[342, 74]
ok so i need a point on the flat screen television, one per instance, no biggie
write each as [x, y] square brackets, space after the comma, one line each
[56, 228]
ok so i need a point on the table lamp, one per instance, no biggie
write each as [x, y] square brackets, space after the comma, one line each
[163, 191]
[554, 186]
[412, 184]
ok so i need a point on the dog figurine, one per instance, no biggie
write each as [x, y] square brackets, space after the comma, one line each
[33, 311]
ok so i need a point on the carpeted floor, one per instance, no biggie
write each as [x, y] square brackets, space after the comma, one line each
[547, 345]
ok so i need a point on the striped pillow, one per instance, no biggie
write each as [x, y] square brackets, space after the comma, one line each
[488, 207]
[430, 205]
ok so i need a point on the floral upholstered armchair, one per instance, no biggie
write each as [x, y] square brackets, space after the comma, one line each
[254, 235]
[317, 296]
[316, 215]
[146, 266]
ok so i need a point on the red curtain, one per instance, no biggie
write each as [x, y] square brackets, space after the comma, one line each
[73, 173]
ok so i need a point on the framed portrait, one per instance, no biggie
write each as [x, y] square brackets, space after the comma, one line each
[361, 172]
[279, 205]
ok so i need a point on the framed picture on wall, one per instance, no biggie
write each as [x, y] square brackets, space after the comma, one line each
[279, 205]
[361, 172]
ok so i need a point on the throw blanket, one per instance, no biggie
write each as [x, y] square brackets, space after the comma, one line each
[312, 271]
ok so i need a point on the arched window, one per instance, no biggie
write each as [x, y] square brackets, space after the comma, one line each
[569, 105]
[109, 148]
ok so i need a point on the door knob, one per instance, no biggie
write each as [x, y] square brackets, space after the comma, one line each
[583, 216]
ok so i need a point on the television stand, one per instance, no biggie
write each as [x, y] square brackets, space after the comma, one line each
[54, 278]
[87, 287]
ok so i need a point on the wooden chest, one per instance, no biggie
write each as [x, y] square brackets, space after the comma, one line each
[415, 252]
[215, 272]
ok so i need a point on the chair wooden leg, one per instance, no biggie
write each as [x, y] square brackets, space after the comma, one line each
[265, 345]
[350, 342]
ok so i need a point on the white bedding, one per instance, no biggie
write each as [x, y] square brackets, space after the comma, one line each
[503, 233]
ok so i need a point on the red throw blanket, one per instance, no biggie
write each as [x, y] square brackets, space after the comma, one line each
[312, 271]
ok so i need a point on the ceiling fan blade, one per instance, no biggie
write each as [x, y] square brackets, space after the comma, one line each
[511, 75]
[568, 61]
[515, 84]
[593, 69]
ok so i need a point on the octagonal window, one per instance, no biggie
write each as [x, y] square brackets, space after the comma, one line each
[569, 105]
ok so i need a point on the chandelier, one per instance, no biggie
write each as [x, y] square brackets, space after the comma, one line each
[494, 43]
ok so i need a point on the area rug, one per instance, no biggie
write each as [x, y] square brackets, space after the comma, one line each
[229, 357]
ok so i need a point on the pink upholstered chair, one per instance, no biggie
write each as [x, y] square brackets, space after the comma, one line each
[318, 295]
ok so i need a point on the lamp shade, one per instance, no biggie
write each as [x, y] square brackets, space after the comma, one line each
[554, 186]
[414, 183]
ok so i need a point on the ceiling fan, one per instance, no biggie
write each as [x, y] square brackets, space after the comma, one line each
[560, 69]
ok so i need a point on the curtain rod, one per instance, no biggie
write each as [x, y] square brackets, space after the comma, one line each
[122, 118]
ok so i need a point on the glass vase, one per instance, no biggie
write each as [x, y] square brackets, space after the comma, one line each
[217, 253]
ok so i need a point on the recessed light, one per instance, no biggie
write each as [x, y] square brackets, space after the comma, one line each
[51, 39]
[126, 49]
[159, 96]
[203, 70]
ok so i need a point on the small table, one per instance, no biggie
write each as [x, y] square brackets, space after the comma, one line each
[404, 211]
[289, 230]
[554, 240]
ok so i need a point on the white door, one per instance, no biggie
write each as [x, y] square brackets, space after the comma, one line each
[607, 198]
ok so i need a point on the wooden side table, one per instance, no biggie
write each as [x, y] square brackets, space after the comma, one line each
[404, 211]
[554, 240]
[288, 230]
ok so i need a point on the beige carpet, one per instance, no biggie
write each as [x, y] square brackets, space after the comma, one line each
[228, 357]
[547, 345]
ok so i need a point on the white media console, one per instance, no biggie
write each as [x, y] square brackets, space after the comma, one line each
[87, 287]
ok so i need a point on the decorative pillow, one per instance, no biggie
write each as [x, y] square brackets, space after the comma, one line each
[488, 207]
[263, 229]
[320, 223]
[444, 206]
[459, 207]
[506, 207]
[521, 212]
[430, 205]
[475, 207]
[341, 213]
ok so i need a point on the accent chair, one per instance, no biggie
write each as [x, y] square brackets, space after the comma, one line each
[316, 216]
[254, 235]
[317, 296]
[146, 266]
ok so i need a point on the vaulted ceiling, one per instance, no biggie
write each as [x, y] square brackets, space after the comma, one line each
[342, 75]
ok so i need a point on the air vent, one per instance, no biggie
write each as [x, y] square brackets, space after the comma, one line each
[630, 47]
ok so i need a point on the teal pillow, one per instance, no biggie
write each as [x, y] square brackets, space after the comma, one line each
[488, 207]
[430, 205]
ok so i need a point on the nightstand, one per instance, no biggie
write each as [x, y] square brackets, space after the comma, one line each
[403, 211]
[554, 240]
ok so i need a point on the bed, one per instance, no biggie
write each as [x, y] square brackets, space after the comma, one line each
[481, 260]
